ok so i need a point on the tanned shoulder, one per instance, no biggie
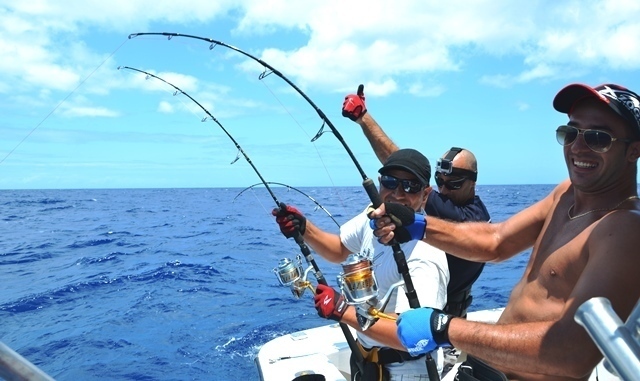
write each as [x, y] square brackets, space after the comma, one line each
[614, 259]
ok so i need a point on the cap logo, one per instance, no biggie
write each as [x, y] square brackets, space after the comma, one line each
[626, 98]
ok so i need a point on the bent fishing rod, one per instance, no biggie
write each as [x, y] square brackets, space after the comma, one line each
[367, 183]
[319, 206]
[298, 237]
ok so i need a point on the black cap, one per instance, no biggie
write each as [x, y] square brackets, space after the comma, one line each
[411, 161]
[622, 101]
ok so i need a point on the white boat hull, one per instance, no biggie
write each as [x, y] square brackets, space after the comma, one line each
[324, 351]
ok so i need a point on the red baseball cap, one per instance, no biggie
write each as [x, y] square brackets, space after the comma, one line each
[622, 101]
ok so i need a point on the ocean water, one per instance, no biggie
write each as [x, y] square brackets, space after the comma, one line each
[174, 284]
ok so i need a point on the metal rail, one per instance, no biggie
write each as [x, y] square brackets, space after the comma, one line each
[14, 367]
[618, 342]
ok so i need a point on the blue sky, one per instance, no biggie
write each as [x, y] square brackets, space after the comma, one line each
[476, 74]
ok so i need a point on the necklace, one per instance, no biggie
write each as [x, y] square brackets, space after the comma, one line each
[597, 210]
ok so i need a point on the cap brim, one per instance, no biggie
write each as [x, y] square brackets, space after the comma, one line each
[567, 97]
[406, 169]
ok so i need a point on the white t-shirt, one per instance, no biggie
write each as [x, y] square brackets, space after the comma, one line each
[428, 270]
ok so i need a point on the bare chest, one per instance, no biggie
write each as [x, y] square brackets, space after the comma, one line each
[557, 261]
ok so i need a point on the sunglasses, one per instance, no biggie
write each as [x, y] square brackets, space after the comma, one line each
[409, 186]
[596, 140]
[451, 184]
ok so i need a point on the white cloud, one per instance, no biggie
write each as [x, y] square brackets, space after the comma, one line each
[343, 43]
[89, 111]
[388, 40]
[165, 107]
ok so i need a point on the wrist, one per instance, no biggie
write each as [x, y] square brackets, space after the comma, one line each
[418, 227]
[363, 120]
[339, 309]
[440, 322]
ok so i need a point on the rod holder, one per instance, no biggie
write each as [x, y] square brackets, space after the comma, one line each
[618, 342]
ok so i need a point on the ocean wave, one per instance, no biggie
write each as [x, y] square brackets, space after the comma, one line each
[90, 243]
[23, 257]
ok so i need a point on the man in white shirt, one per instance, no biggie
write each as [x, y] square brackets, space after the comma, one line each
[404, 179]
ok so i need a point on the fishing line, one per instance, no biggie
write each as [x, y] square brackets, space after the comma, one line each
[61, 102]
[258, 200]
[298, 238]
[264, 83]
[318, 205]
[367, 183]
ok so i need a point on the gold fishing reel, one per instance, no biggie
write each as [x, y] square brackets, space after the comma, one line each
[360, 288]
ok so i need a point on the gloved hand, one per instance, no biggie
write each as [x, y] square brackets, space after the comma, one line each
[290, 220]
[409, 224]
[353, 106]
[423, 330]
[330, 304]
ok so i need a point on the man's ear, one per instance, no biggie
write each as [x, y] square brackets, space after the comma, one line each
[634, 151]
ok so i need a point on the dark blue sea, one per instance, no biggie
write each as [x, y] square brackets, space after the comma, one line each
[173, 284]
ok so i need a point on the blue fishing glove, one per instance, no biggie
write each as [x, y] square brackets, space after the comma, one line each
[423, 330]
[409, 224]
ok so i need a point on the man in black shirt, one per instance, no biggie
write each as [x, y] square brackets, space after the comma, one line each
[456, 174]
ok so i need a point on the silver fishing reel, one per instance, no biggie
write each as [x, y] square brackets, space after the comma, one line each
[360, 288]
[289, 273]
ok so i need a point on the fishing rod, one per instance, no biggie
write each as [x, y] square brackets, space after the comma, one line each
[367, 183]
[357, 280]
[319, 206]
[298, 237]
[287, 271]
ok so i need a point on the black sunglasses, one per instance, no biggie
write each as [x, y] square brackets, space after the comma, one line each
[596, 140]
[451, 184]
[409, 186]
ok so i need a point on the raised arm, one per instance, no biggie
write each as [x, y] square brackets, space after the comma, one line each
[382, 145]
[355, 109]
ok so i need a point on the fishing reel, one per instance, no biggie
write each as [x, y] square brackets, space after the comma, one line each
[289, 273]
[360, 288]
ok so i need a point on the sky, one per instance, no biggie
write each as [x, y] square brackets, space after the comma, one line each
[475, 74]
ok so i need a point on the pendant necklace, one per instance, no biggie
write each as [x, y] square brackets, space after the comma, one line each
[597, 210]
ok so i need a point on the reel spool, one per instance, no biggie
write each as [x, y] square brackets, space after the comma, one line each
[289, 273]
[357, 280]
[360, 288]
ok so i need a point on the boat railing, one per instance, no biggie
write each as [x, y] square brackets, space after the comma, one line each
[14, 367]
[619, 342]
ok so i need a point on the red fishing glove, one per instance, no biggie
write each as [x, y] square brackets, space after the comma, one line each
[290, 220]
[353, 106]
[330, 304]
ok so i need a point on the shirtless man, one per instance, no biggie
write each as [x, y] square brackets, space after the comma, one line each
[585, 244]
